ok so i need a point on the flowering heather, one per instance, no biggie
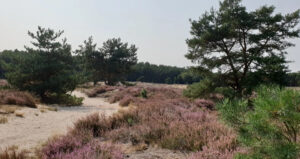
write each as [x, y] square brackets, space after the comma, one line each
[74, 147]
[99, 90]
[125, 101]
[164, 118]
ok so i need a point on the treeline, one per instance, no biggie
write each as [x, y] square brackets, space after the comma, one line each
[49, 68]
[293, 79]
[146, 72]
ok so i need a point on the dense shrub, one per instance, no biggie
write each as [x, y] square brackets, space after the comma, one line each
[143, 93]
[17, 98]
[64, 99]
[71, 147]
[269, 124]
[125, 101]
[201, 89]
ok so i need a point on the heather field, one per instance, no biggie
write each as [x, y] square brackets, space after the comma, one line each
[161, 120]
[178, 80]
[153, 121]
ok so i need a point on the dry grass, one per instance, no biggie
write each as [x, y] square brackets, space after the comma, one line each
[19, 114]
[8, 109]
[47, 108]
[99, 90]
[13, 153]
[13, 97]
[4, 83]
[3, 120]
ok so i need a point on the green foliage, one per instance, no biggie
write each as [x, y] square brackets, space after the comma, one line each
[64, 99]
[144, 93]
[293, 79]
[269, 125]
[146, 72]
[118, 60]
[45, 69]
[111, 63]
[227, 92]
[201, 89]
[9, 58]
[247, 48]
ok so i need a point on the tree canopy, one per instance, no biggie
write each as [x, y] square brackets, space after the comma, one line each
[242, 45]
[110, 63]
[46, 68]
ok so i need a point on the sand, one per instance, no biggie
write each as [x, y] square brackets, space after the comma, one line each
[36, 127]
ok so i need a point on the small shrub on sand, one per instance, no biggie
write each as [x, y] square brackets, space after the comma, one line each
[19, 114]
[71, 147]
[99, 90]
[8, 109]
[3, 120]
[64, 99]
[13, 153]
[125, 101]
[13, 97]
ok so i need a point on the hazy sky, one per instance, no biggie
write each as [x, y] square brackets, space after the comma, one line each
[159, 28]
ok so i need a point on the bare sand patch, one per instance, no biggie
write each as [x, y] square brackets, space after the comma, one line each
[36, 126]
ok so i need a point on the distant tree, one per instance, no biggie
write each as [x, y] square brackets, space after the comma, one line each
[146, 72]
[242, 45]
[293, 79]
[90, 60]
[118, 59]
[46, 68]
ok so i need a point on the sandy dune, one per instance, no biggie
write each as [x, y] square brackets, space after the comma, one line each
[36, 126]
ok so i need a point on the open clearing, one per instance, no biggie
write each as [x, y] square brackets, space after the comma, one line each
[37, 125]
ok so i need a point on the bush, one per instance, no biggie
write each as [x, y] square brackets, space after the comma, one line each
[125, 101]
[227, 92]
[13, 153]
[70, 147]
[64, 99]
[144, 93]
[269, 124]
[13, 97]
[201, 89]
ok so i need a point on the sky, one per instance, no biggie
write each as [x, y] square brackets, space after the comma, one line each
[159, 28]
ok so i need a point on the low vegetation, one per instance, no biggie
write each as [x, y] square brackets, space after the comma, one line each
[164, 118]
[13, 97]
[13, 153]
[3, 120]
[64, 99]
[268, 123]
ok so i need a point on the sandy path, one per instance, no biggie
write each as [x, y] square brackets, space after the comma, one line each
[36, 127]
